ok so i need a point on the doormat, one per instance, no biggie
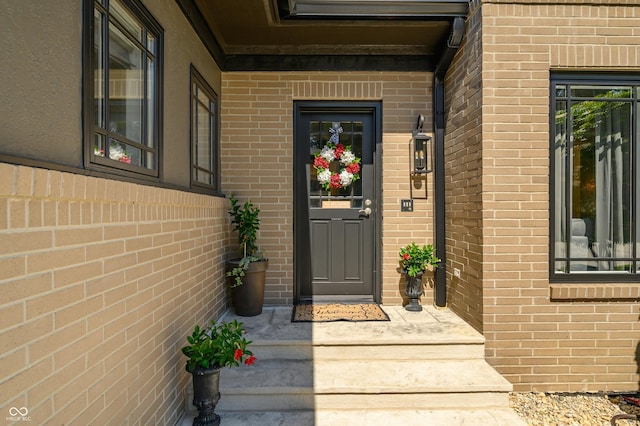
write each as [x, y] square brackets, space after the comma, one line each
[338, 312]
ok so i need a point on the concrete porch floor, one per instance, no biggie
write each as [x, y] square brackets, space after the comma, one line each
[435, 342]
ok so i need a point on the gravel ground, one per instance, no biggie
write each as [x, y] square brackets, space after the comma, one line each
[571, 409]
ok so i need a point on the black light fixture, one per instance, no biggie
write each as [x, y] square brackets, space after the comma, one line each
[421, 161]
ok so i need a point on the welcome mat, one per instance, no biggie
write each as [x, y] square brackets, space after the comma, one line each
[338, 312]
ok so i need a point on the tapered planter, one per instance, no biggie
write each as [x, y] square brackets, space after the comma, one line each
[248, 298]
[413, 291]
[206, 394]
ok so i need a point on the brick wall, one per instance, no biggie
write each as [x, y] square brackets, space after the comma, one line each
[257, 155]
[463, 176]
[101, 281]
[541, 336]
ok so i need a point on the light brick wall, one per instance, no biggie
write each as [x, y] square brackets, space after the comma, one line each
[578, 340]
[101, 282]
[257, 159]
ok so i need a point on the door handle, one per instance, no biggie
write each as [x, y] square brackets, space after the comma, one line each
[367, 209]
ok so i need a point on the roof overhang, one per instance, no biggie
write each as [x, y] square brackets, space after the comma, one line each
[340, 35]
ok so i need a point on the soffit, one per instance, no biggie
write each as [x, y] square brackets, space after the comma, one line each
[254, 27]
[400, 30]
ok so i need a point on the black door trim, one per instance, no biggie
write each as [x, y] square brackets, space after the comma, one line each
[302, 261]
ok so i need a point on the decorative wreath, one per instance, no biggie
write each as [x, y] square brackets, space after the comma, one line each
[335, 151]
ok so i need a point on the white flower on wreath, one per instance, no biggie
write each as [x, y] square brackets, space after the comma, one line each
[345, 178]
[328, 153]
[347, 158]
[324, 176]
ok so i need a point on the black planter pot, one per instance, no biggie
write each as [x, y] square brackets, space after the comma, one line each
[248, 298]
[206, 394]
[413, 290]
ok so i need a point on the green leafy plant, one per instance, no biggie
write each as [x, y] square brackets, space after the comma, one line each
[245, 219]
[217, 346]
[415, 259]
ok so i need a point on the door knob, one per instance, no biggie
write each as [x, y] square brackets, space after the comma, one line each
[365, 211]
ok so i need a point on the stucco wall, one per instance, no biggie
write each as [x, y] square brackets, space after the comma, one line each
[257, 158]
[41, 49]
[41, 80]
[542, 336]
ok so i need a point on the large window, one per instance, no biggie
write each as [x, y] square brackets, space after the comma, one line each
[122, 99]
[595, 186]
[204, 134]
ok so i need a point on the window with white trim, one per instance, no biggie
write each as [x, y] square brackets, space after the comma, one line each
[595, 131]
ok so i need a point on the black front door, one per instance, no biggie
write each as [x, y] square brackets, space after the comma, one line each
[336, 203]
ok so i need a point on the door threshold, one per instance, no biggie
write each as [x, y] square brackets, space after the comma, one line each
[324, 299]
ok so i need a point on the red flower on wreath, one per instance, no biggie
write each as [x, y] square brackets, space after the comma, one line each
[338, 150]
[353, 168]
[320, 162]
[335, 181]
[250, 360]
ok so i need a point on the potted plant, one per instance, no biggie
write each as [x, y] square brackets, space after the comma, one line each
[247, 274]
[210, 349]
[414, 260]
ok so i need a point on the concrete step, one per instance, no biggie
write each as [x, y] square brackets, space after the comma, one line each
[424, 368]
[274, 385]
[369, 418]
[306, 350]
[432, 335]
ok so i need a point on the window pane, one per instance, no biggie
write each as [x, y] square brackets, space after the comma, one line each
[98, 67]
[118, 151]
[125, 86]
[98, 145]
[597, 92]
[151, 44]
[125, 19]
[601, 183]
[636, 216]
[560, 164]
[203, 142]
[151, 102]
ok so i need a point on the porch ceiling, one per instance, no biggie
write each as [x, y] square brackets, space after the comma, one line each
[324, 34]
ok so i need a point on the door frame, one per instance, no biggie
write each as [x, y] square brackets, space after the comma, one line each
[302, 261]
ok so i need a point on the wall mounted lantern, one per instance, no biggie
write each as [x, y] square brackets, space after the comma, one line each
[421, 150]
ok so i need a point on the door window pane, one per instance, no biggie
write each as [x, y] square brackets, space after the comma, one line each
[335, 152]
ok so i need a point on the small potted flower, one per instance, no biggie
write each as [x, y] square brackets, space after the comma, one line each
[210, 349]
[414, 260]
